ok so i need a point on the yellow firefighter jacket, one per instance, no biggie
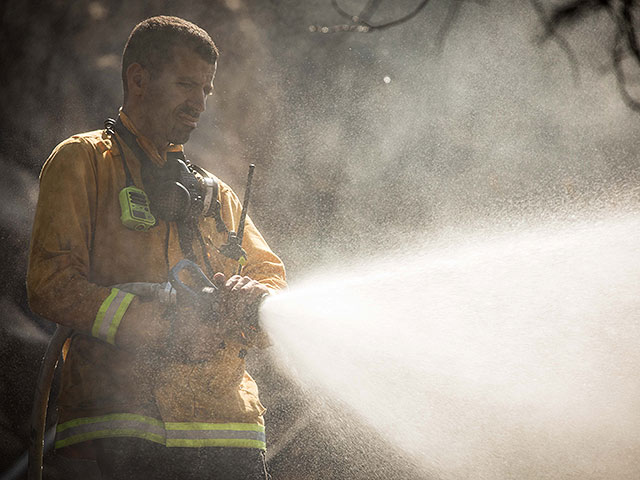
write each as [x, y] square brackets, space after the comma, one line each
[116, 380]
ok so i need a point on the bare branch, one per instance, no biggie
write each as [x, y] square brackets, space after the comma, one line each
[629, 28]
[620, 76]
[406, 18]
[368, 11]
[625, 44]
[551, 33]
[337, 8]
[625, 41]
[572, 12]
[361, 21]
[452, 14]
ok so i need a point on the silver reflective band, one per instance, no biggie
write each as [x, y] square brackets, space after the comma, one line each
[213, 434]
[170, 434]
[107, 426]
[208, 196]
[167, 295]
[110, 315]
[163, 292]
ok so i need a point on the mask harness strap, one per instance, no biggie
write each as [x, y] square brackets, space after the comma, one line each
[109, 125]
[188, 227]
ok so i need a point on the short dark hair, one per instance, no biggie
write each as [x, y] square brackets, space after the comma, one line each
[152, 40]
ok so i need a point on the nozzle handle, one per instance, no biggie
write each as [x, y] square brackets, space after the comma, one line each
[199, 276]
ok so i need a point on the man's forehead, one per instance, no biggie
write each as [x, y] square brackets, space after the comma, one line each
[187, 61]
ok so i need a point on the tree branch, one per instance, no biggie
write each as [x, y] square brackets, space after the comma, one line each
[550, 32]
[625, 43]
[361, 22]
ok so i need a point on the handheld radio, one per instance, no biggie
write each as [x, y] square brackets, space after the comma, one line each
[135, 210]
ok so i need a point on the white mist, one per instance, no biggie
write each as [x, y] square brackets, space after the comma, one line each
[513, 355]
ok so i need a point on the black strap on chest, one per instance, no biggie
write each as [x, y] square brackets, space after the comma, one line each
[188, 228]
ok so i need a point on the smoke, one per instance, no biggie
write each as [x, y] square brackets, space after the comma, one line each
[358, 138]
[492, 124]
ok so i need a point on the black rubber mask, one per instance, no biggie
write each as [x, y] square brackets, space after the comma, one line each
[172, 190]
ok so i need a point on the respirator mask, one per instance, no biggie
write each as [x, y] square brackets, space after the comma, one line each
[178, 192]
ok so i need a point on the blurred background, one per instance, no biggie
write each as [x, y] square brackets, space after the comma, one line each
[467, 114]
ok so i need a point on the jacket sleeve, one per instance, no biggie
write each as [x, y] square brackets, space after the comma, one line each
[262, 264]
[59, 283]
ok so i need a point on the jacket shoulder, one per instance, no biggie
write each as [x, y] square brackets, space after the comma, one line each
[95, 140]
[78, 151]
[223, 188]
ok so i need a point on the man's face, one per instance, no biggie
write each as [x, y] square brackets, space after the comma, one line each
[176, 96]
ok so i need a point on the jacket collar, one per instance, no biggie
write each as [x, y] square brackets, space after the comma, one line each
[159, 158]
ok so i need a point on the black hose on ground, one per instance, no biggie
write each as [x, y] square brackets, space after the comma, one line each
[41, 401]
[19, 467]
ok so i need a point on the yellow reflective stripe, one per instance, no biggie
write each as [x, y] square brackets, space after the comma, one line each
[159, 439]
[215, 442]
[170, 434]
[106, 418]
[213, 426]
[101, 312]
[110, 315]
[115, 323]
[124, 432]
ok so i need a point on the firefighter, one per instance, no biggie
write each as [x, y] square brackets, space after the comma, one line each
[149, 391]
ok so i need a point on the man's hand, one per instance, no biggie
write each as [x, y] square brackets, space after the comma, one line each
[240, 297]
[195, 339]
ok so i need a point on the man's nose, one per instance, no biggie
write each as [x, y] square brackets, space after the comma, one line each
[198, 101]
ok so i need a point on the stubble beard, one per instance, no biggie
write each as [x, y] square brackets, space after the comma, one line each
[180, 136]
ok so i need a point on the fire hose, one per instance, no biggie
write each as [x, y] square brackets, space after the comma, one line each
[43, 389]
[37, 445]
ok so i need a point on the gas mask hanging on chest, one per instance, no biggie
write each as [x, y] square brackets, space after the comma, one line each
[175, 194]
[178, 192]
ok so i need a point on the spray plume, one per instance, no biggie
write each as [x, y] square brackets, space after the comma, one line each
[509, 356]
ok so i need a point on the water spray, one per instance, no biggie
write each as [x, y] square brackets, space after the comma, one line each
[496, 355]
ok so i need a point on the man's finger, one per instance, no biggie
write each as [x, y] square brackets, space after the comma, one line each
[241, 283]
[250, 285]
[232, 281]
[219, 280]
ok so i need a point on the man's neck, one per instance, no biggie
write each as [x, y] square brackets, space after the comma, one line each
[139, 120]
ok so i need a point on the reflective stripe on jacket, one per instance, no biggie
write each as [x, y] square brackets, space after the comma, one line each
[116, 365]
[170, 434]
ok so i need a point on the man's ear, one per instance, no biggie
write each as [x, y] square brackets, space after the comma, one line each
[137, 79]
